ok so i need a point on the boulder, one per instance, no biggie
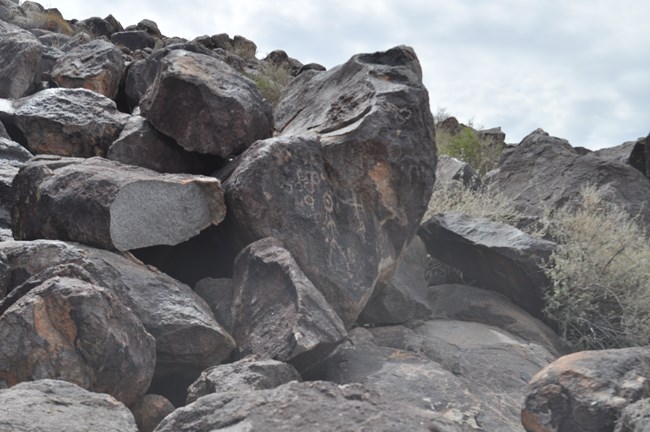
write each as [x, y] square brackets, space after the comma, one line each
[78, 332]
[635, 417]
[346, 183]
[20, 53]
[98, 27]
[104, 203]
[97, 65]
[404, 297]
[134, 39]
[639, 158]
[543, 173]
[451, 170]
[53, 39]
[150, 410]
[277, 312]
[245, 375]
[65, 122]
[141, 145]
[217, 292]
[491, 255]
[293, 407]
[43, 74]
[620, 153]
[59, 406]
[586, 391]
[205, 105]
[12, 157]
[150, 27]
[187, 336]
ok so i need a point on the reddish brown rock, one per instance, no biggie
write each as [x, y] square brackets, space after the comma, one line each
[150, 410]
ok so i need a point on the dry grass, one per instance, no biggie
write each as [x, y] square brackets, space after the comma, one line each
[271, 81]
[54, 22]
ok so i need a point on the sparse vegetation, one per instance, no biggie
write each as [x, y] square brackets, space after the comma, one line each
[271, 80]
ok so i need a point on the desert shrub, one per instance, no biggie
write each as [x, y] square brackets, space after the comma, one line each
[52, 21]
[468, 145]
[271, 80]
[600, 276]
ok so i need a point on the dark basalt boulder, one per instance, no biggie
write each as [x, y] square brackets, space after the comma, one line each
[20, 53]
[133, 40]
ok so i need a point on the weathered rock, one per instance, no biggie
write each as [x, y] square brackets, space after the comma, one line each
[99, 27]
[586, 391]
[640, 156]
[65, 122]
[134, 40]
[491, 255]
[150, 27]
[75, 41]
[78, 332]
[282, 59]
[245, 375]
[53, 39]
[320, 406]
[205, 105]
[5, 277]
[346, 184]
[404, 297]
[20, 52]
[97, 66]
[218, 293]
[103, 203]
[49, 57]
[59, 406]
[12, 156]
[451, 170]
[635, 417]
[187, 336]
[620, 153]
[277, 312]
[150, 410]
[141, 145]
[543, 173]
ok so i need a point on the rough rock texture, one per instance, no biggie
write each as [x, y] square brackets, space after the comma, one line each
[206, 106]
[150, 410]
[99, 27]
[543, 173]
[247, 374]
[20, 53]
[635, 417]
[404, 297]
[78, 332]
[103, 203]
[640, 156]
[65, 122]
[450, 170]
[187, 336]
[295, 407]
[97, 66]
[141, 145]
[620, 153]
[277, 312]
[12, 157]
[345, 185]
[133, 40]
[491, 255]
[59, 406]
[217, 292]
[586, 391]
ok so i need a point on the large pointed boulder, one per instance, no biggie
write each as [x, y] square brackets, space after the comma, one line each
[346, 183]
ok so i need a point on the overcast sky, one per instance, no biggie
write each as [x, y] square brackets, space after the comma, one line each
[579, 69]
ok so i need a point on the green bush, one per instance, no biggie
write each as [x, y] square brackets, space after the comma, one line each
[271, 80]
[600, 292]
[469, 146]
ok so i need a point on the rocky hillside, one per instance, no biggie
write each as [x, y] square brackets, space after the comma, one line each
[193, 239]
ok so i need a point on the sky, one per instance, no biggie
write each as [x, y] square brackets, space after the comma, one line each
[579, 69]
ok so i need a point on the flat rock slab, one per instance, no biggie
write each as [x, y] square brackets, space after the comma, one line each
[64, 122]
[78, 332]
[59, 406]
[103, 203]
[187, 335]
[491, 255]
[319, 406]
[20, 53]
[206, 106]
[277, 312]
[586, 391]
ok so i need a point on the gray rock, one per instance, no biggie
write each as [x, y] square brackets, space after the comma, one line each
[133, 40]
[277, 312]
[218, 294]
[187, 336]
[245, 375]
[321, 406]
[20, 53]
[451, 170]
[150, 410]
[205, 106]
[103, 203]
[491, 255]
[150, 27]
[97, 65]
[338, 187]
[43, 74]
[65, 122]
[79, 332]
[59, 406]
[620, 153]
[640, 156]
[586, 391]
[99, 27]
[635, 417]
[12, 156]
[54, 39]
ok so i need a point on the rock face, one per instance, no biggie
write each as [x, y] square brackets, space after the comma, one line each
[97, 66]
[218, 294]
[59, 406]
[247, 374]
[110, 205]
[450, 170]
[639, 158]
[277, 312]
[586, 391]
[320, 406]
[79, 332]
[345, 184]
[12, 156]
[150, 410]
[205, 105]
[635, 417]
[65, 122]
[134, 39]
[491, 255]
[20, 53]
